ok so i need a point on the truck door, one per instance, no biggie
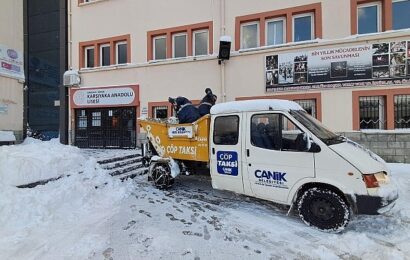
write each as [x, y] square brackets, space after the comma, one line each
[226, 156]
[275, 155]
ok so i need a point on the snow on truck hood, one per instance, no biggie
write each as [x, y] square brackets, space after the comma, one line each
[361, 158]
[255, 105]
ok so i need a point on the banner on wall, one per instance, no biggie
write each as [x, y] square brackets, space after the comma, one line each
[11, 62]
[363, 65]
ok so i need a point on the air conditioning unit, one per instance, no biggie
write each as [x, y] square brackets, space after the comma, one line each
[71, 78]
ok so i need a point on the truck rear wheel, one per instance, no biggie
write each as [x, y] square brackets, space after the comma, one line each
[324, 209]
[161, 176]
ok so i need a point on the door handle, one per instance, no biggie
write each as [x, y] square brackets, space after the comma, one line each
[247, 152]
[213, 150]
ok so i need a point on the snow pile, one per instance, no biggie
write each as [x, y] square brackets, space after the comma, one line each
[401, 180]
[7, 136]
[35, 160]
[64, 219]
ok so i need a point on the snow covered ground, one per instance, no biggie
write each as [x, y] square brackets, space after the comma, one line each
[91, 215]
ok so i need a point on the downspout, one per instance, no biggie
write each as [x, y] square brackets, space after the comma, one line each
[70, 66]
[222, 32]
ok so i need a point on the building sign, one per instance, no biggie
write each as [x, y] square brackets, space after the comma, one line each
[363, 65]
[11, 63]
[104, 97]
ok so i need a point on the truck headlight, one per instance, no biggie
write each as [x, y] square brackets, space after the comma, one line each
[374, 180]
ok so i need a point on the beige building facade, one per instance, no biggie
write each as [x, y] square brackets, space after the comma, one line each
[346, 62]
[11, 67]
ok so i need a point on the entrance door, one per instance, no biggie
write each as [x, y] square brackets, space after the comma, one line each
[226, 153]
[105, 128]
[275, 155]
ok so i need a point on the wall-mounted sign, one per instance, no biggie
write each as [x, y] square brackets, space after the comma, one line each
[364, 65]
[104, 97]
[11, 62]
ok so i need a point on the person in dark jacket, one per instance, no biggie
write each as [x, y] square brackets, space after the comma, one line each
[186, 112]
[207, 102]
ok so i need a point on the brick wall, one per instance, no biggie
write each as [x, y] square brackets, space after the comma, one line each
[392, 147]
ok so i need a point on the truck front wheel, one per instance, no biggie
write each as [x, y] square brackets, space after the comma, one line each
[161, 176]
[324, 209]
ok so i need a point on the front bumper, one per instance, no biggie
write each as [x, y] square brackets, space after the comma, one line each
[373, 205]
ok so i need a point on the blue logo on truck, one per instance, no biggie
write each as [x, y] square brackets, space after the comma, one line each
[227, 163]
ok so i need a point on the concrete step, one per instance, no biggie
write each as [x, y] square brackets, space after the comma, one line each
[117, 159]
[133, 174]
[119, 164]
[126, 169]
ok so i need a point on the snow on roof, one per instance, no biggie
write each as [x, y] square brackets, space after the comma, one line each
[255, 105]
[7, 136]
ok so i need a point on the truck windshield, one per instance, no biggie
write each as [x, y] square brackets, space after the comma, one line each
[317, 128]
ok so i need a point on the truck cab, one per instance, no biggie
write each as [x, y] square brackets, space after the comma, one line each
[274, 150]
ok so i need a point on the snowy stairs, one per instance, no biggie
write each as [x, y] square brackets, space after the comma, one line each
[124, 167]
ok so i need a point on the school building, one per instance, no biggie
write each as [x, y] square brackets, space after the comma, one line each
[346, 62]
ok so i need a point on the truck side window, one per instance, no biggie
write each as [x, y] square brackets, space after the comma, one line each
[276, 132]
[292, 136]
[226, 130]
[265, 131]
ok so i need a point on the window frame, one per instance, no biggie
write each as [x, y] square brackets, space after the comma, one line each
[101, 46]
[117, 44]
[173, 44]
[312, 25]
[85, 56]
[154, 44]
[378, 4]
[194, 42]
[283, 19]
[382, 111]
[392, 2]
[154, 110]
[258, 40]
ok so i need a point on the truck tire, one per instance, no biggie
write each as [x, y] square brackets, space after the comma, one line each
[161, 176]
[324, 209]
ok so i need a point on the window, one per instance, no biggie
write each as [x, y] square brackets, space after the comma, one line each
[160, 48]
[82, 119]
[105, 52]
[372, 112]
[402, 111]
[173, 42]
[89, 57]
[105, 59]
[276, 132]
[121, 52]
[179, 45]
[401, 11]
[309, 105]
[160, 112]
[226, 130]
[265, 131]
[303, 28]
[369, 18]
[292, 137]
[200, 42]
[249, 35]
[275, 30]
[96, 119]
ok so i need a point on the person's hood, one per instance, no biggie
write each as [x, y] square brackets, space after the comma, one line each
[363, 159]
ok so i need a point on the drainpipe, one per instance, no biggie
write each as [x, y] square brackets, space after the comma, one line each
[70, 66]
[222, 32]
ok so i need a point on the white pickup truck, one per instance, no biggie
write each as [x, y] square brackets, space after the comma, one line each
[274, 150]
